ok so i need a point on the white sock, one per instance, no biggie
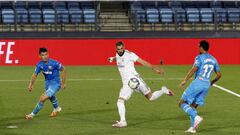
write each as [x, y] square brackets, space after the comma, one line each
[121, 109]
[156, 95]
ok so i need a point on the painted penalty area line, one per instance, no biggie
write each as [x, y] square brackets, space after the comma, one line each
[226, 90]
[93, 79]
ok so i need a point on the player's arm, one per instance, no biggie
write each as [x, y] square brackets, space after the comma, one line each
[111, 59]
[188, 76]
[218, 76]
[63, 77]
[149, 65]
[32, 81]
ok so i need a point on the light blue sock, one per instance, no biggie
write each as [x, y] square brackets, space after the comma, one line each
[190, 111]
[38, 107]
[54, 101]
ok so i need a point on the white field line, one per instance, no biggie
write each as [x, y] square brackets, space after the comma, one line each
[226, 90]
[91, 79]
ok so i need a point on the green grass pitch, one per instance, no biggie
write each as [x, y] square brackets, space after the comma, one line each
[89, 106]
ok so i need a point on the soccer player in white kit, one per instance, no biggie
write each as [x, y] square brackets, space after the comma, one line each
[125, 61]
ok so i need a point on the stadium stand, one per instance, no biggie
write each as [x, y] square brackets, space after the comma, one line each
[138, 16]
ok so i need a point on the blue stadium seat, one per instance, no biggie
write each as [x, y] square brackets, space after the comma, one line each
[87, 5]
[21, 4]
[180, 15]
[73, 5]
[166, 15]
[216, 4]
[47, 5]
[139, 14]
[59, 5]
[193, 15]
[229, 4]
[206, 15]
[49, 16]
[35, 16]
[175, 4]
[62, 16]
[152, 15]
[8, 16]
[33, 5]
[89, 15]
[76, 15]
[221, 15]
[233, 15]
[21, 15]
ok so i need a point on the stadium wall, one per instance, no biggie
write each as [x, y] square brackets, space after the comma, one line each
[96, 51]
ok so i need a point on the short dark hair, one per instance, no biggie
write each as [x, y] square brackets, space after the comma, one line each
[204, 44]
[119, 43]
[42, 49]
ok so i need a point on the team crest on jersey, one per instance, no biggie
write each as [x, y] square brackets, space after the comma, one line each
[50, 67]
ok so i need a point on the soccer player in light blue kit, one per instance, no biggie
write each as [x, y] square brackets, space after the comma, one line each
[51, 70]
[196, 92]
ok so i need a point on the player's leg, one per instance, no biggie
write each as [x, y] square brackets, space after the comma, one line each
[125, 94]
[56, 108]
[187, 103]
[51, 91]
[38, 107]
[151, 96]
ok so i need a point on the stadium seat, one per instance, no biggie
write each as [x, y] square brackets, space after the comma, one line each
[152, 15]
[216, 4]
[49, 16]
[180, 15]
[47, 5]
[33, 5]
[206, 15]
[75, 15]
[233, 15]
[175, 4]
[229, 4]
[8, 16]
[221, 15]
[89, 15]
[35, 16]
[192, 15]
[73, 5]
[148, 4]
[21, 15]
[166, 15]
[60, 5]
[139, 14]
[62, 13]
[87, 5]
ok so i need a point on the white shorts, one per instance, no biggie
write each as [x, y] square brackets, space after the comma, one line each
[126, 91]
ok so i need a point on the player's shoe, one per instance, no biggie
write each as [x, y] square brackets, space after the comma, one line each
[167, 91]
[191, 130]
[29, 116]
[197, 121]
[55, 112]
[120, 124]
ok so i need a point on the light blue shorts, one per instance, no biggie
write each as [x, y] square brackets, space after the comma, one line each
[196, 92]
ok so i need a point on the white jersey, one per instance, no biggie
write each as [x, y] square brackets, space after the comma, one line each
[125, 65]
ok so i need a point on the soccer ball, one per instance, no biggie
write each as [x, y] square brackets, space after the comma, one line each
[133, 83]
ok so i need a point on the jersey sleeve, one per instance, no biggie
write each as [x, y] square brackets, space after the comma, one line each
[37, 69]
[216, 67]
[134, 57]
[58, 66]
[197, 62]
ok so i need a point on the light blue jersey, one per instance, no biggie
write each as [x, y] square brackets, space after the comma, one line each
[198, 89]
[206, 64]
[51, 71]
